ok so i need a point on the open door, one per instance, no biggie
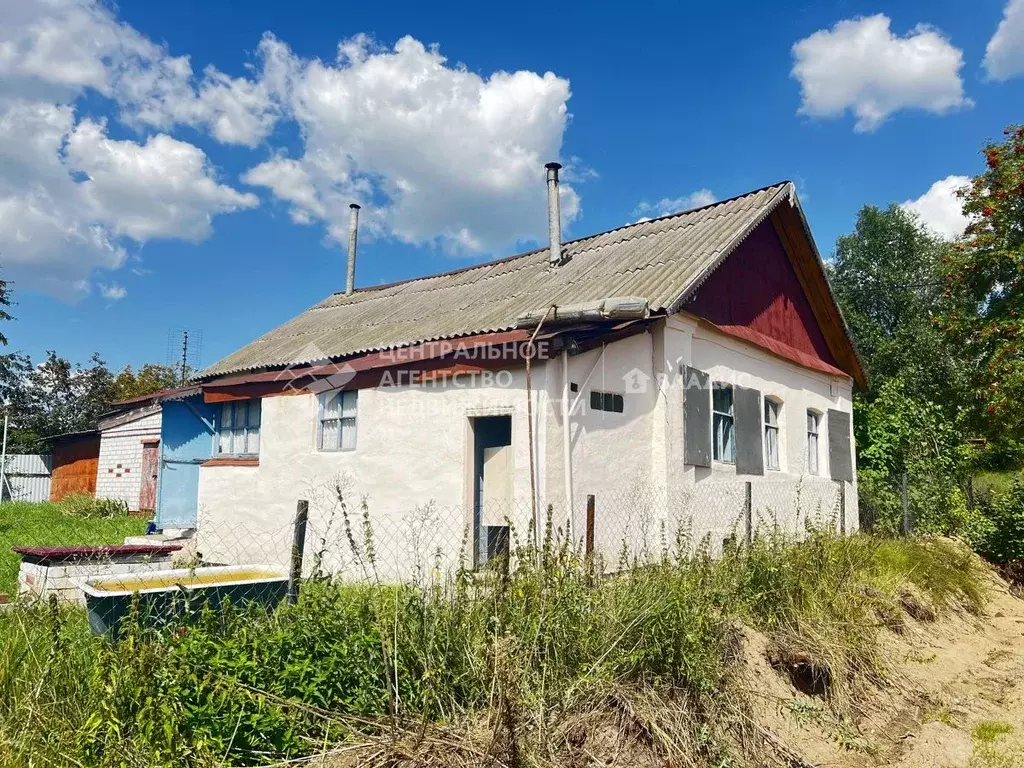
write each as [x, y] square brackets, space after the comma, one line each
[492, 486]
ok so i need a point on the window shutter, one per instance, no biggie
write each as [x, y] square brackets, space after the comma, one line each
[749, 431]
[696, 418]
[840, 460]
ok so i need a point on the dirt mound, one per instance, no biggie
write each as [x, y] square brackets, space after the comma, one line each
[954, 695]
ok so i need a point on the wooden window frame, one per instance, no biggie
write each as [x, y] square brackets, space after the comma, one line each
[772, 431]
[250, 429]
[813, 437]
[718, 416]
[345, 423]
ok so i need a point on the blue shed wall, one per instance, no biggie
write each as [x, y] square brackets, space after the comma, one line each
[186, 440]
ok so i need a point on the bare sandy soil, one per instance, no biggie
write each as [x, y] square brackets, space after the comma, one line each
[955, 698]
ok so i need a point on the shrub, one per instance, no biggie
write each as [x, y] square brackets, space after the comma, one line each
[1003, 539]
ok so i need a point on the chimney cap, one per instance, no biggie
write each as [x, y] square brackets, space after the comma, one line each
[355, 205]
[552, 166]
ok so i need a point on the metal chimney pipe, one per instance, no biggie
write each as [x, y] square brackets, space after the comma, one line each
[554, 216]
[353, 236]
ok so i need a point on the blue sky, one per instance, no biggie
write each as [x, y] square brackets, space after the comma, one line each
[140, 190]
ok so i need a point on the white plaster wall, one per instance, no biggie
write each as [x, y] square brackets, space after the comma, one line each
[410, 465]
[611, 452]
[119, 473]
[414, 446]
[789, 496]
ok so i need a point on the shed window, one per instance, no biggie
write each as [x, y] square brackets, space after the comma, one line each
[771, 432]
[238, 430]
[813, 425]
[722, 422]
[606, 401]
[338, 421]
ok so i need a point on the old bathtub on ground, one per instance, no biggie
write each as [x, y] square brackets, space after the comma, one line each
[178, 594]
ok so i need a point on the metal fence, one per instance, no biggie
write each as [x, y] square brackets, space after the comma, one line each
[331, 534]
[27, 478]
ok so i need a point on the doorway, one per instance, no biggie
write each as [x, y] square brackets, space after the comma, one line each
[492, 486]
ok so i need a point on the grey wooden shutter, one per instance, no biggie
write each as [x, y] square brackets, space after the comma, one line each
[840, 460]
[696, 418]
[749, 431]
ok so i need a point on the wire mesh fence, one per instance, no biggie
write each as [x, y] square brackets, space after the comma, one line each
[332, 534]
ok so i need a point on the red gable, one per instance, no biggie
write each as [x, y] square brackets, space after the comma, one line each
[755, 294]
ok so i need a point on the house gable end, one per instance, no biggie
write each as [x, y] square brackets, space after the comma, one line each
[757, 289]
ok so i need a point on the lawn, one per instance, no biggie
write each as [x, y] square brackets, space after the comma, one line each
[44, 524]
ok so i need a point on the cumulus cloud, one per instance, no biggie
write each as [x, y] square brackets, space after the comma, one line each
[69, 195]
[667, 205]
[1004, 55]
[56, 49]
[940, 209]
[435, 153]
[861, 66]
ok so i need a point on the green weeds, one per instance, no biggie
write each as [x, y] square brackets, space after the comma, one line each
[524, 662]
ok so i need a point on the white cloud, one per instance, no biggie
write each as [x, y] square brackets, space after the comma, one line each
[861, 66]
[435, 153]
[163, 188]
[940, 209]
[112, 291]
[56, 49]
[1004, 55]
[667, 205]
[68, 194]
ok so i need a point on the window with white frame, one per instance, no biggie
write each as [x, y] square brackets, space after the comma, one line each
[771, 432]
[337, 428]
[813, 425]
[722, 423]
[238, 428]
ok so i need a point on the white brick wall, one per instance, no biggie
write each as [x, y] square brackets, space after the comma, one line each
[119, 475]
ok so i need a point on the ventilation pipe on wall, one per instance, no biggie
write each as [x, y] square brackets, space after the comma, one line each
[353, 236]
[554, 216]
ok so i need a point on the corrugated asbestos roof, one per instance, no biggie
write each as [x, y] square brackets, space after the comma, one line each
[659, 260]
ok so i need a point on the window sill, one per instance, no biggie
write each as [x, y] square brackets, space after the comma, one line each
[231, 462]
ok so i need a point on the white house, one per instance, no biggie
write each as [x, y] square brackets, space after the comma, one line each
[691, 372]
[128, 461]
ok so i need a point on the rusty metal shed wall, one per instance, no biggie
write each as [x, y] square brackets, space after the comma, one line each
[657, 260]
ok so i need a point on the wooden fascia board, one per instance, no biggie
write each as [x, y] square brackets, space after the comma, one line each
[811, 275]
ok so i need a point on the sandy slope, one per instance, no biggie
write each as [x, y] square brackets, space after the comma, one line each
[957, 698]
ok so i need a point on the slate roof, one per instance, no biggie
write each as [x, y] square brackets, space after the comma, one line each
[660, 260]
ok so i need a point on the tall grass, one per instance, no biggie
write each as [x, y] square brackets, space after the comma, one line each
[524, 662]
[80, 521]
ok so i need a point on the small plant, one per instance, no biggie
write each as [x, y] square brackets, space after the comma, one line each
[84, 506]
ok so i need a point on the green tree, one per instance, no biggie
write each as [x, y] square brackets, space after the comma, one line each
[985, 276]
[151, 378]
[56, 396]
[886, 276]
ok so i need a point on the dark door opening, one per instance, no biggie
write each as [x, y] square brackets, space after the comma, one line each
[492, 486]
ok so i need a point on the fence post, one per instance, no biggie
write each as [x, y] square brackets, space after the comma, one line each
[748, 513]
[298, 546]
[907, 526]
[591, 504]
[842, 507]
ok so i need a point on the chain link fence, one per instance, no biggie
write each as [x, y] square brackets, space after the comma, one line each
[336, 535]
